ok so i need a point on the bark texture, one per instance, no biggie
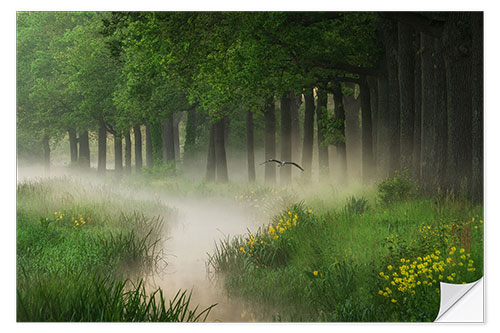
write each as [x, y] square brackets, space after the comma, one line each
[270, 140]
[307, 147]
[101, 152]
[321, 108]
[250, 147]
[84, 151]
[128, 152]
[118, 154]
[285, 138]
[138, 148]
[73, 146]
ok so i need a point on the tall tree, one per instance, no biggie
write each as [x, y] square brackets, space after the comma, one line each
[270, 139]
[101, 158]
[128, 152]
[352, 106]
[84, 151]
[250, 146]
[428, 115]
[457, 41]
[73, 146]
[321, 116]
[220, 152]
[406, 72]
[307, 148]
[477, 105]
[367, 163]
[138, 148]
[118, 155]
[211, 165]
[168, 140]
[285, 137]
[341, 146]
[149, 146]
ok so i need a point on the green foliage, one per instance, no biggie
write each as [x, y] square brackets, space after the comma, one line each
[76, 262]
[332, 129]
[82, 298]
[356, 206]
[338, 266]
[395, 189]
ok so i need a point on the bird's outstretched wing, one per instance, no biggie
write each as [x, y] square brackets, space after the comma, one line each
[271, 160]
[293, 163]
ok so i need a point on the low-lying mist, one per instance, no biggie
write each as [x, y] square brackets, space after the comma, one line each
[204, 216]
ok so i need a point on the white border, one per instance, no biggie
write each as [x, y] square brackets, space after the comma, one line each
[7, 138]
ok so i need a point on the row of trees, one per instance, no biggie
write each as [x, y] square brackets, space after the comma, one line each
[408, 84]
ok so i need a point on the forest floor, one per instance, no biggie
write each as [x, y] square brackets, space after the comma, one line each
[260, 253]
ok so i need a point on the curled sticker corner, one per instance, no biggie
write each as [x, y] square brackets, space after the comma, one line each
[461, 302]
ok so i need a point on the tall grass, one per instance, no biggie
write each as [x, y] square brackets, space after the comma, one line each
[339, 264]
[100, 298]
[80, 248]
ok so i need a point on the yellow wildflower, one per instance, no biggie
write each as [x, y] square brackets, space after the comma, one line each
[315, 273]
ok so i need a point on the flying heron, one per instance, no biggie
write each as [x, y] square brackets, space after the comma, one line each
[281, 163]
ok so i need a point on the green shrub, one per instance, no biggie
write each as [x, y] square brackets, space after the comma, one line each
[396, 189]
[356, 206]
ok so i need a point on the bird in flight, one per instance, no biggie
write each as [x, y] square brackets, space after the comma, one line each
[281, 163]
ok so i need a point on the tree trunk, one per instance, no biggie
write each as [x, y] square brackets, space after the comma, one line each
[220, 151]
[456, 38]
[211, 166]
[321, 107]
[383, 137]
[46, 153]
[138, 148]
[128, 152]
[352, 106]
[393, 102]
[477, 106]
[307, 148]
[73, 146]
[156, 131]
[366, 132]
[406, 71]
[417, 128]
[177, 145]
[168, 139]
[428, 168]
[295, 102]
[149, 147]
[84, 151]
[118, 155]
[341, 146]
[101, 153]
[270, 140]
[441, 113]
[285, 138]
[190, 142]
[250, 147]
[227, 122]
[372, 85]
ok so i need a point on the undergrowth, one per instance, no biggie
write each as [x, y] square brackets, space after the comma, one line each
[377, 260]
[83, 253]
